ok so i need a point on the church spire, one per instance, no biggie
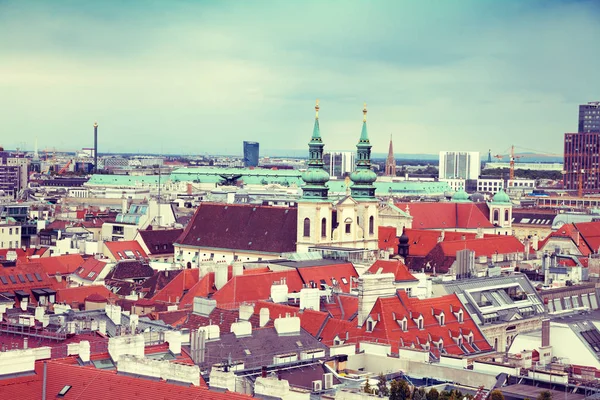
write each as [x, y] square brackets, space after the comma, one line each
[315, 176]
[363, 177]
[390, 162]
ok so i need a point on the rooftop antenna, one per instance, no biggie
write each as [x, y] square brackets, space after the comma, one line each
[95, 147]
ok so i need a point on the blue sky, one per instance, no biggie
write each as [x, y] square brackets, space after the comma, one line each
[198, 77]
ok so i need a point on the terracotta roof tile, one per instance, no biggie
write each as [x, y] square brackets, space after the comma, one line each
[126, 249]
[395, 267]
[446, 215]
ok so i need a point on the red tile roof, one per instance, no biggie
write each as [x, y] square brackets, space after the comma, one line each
[90, 269]
[24, 255]
[173, 292]
[485, 246]
[242, 227]
[99, 384]
[446, 215]
[160, 242]
[310, 320]
[388, 238]
[395, 267]
[63, 265]
[590, 233]
[118, 249]
[255, 287]
[342, 273]
[571, 232]
[24, 276]
[203, 288]
[76, 296]
[422, 241]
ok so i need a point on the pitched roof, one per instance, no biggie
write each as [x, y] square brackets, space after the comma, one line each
[255, 287]
[90, 269]
[446, 215]
[487, 246]
[175, 290]
[590, 232]
[97, 384]
[76, 296]
[342, 274]
[242, 227]
[570, 232]
[387, 238]
[422, 241]
[396, 267]
[64, 265]
[25, 277]
[310, 320]
[24, 255]
[126, 249]
[130, 269]
[160, 241]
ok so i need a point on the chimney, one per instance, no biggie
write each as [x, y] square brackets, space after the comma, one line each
[246, 311]
[264, 317]
[84, 351]
[241, 328]
[204, 306]
[221, 271]
[545, 332]
[25, 343]
[310, 298]
[535, 242]
[237, 268]
[279, 292]
[174, 340]
[287, 326]
[370, 288]
[263, 371]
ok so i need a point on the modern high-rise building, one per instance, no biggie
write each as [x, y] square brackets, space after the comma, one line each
[13, 172]
[459, 165]
[581, 163]
[339, 163]
[250, 154]
[589, 117]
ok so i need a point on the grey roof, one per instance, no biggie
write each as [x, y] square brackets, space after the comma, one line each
[570, 218]
[487, 298]
[258, 349]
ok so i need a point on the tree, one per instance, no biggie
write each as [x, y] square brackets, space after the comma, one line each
[544, 395]
[445, 395]
[433, 394]
[419, 394]
[399, 390]
[382, 388]
[496, 395]
[367, 388]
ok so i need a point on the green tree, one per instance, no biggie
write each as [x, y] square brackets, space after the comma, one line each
[399, 390]
[382, 388]
[496, 395]
[445, 395]
[419, 394]
[433, 394]
[544, 395]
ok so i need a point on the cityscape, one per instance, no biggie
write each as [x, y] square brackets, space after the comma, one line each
[278, 237]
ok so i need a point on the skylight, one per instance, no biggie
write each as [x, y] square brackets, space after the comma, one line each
[64, 390]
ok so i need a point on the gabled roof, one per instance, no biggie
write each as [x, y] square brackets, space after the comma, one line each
[570, 233]
[487, 246]
[90, 269]
[310, 320]
[160, 241]
[590, 232]
[64, 265]
[25, 277]
[24, 255]
[127, 249]
[255, 287]
[203, 288]
[175, 290]
[387, 238]
[130, 269]
[446, 215]
[76, 295]
[242, 227]
[342, 273]
[422, 241]
[99, 384]
[395, 267]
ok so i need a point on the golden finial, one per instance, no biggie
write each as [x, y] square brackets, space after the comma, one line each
[95, 124]
[365, 113]
[317, 109]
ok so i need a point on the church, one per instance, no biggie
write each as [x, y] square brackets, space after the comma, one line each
[223, 233]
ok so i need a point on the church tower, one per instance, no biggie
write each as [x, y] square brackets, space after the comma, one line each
[314, 208]
[390, 162]
[363, 190]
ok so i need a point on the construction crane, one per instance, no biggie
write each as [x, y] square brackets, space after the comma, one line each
[63, 169]
[513, 157]
[580, 183]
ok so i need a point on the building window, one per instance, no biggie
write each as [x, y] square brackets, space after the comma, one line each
[348, 227]
[306, 227]
[506, 219]
[324, 228]
[496, 216]
[442, 317]
[369, 326]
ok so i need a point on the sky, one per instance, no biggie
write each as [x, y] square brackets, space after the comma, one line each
[200, 77]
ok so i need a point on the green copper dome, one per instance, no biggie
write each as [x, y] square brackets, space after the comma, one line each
[315, 176]
[363, 177]
[460, 196]
[501, 197]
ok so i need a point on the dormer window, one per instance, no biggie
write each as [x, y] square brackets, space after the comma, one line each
[404, 324]
[459, 315]
[369, 326]
[419, 322]
[441, 319]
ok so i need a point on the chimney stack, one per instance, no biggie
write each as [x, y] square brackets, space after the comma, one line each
[545, 332]
[95, 147]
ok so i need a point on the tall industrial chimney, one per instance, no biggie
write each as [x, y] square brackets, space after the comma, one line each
[95, 147]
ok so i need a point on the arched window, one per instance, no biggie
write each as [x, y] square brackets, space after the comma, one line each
[371, 225]
[496, 216]
[506, 216]
[323, 227]
[306, 227]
